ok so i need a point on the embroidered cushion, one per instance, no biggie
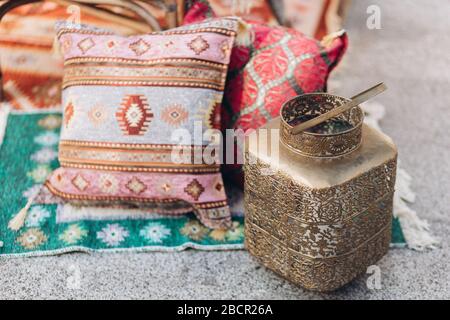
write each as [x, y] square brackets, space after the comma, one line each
[123, 97]
[278, 64]
[281, 64]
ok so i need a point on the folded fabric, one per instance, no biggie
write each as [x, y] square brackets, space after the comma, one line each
[32, 72]
[278, 64]
[124, 98]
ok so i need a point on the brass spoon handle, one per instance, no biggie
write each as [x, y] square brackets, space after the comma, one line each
[356, 100]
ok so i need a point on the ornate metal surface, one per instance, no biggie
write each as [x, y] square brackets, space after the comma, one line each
[315, 274]
[314, 229]
[331, 139]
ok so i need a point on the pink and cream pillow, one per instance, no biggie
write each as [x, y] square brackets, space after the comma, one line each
[123, 97]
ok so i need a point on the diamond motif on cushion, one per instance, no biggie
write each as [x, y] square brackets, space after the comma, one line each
[218, 186]
[194, 189]
[140, 47]
[111, 46]
[209, 112]
[213, 116]
[66, 43]
[174, 115]
[97, 115]
[225, 48]
[108, 184]
[80, 183]
[136, 186]
[135, 115]
[198, 45]
[68, 113]
[86, 44]
[166, 188]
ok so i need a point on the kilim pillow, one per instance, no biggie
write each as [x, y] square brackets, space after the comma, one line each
[123, 97]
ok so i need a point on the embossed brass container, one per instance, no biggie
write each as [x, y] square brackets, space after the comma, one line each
[320, 211]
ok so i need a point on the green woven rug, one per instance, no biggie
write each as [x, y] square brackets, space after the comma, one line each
[29, 153]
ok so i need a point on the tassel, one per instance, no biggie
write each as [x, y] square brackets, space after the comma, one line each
[17, 222]
[328, 39]
[244, 34]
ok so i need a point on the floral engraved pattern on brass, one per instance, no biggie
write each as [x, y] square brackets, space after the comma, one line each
[320, 145]
[318, 238]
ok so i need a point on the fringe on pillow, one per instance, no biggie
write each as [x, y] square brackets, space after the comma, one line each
[244, 35]
[415, 230]
[328, 39]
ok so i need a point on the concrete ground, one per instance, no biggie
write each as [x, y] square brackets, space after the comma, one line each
[411, 54]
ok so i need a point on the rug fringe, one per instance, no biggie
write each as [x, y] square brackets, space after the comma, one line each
[415, 230]
[4, 113]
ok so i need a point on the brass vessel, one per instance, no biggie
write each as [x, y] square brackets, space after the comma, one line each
[318, 206]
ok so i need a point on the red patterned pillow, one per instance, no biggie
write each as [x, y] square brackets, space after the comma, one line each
[280, 63]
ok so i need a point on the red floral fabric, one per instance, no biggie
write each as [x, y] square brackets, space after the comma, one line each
[197, 10]
[280, 63]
